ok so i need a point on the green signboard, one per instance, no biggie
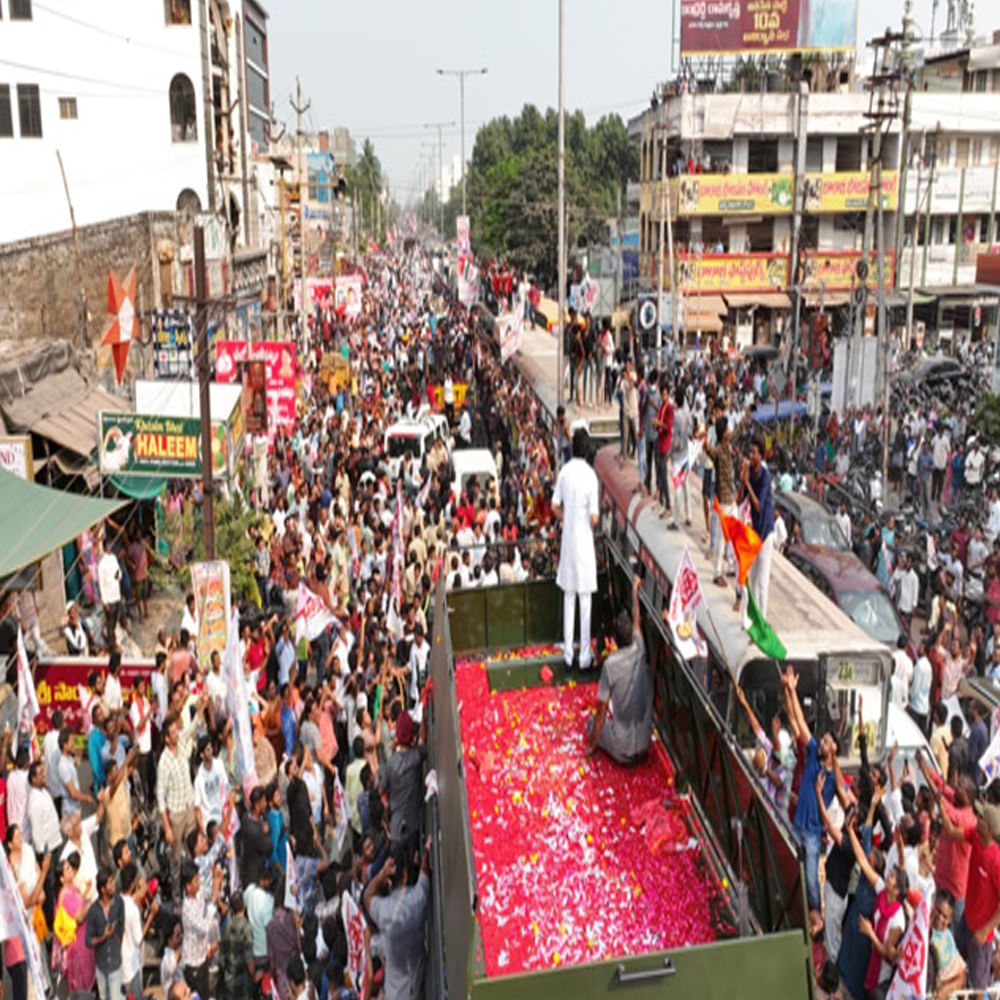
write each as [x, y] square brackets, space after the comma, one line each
[148, 445]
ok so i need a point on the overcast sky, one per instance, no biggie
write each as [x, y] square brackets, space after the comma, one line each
[370, 64]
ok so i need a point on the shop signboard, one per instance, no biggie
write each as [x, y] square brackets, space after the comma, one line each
[718, 27]
[837, 270]
[732, 272]
[140, 444]
[773, 194]
[16, 456]
[173, 336]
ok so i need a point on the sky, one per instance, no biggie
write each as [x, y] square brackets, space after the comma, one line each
[370, 64]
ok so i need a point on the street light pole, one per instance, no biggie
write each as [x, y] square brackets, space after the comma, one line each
[561, 210]
[440, 182]
[461, 74]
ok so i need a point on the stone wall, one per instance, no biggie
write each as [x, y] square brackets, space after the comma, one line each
[38, 277]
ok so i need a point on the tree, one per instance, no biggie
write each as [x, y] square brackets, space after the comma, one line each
[512, 186]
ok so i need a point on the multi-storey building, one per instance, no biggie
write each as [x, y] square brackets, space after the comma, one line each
[730, 161]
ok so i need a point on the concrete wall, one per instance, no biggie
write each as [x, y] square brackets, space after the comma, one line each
[38, 277]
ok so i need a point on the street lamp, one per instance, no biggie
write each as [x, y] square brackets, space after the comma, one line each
[462, 74]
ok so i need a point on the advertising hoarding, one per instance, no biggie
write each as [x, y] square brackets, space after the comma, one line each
[149, 445]
[718, 27]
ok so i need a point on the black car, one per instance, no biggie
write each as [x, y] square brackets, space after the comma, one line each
[934, 370]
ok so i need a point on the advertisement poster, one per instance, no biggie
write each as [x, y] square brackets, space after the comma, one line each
[462, 235]
[279, 357]
[773, 194]
[210, 586]
[723, 272]
[717, 27]
[510, 328]
[144, 445]
[58, 681]
[836, 271]
[347, 296]
[255, 396]
[173, 337]
[16, 457]
[468, 281]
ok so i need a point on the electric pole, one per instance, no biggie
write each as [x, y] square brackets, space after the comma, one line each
[560, 209]
[303, 178]
[204, 392]
[461, 74]
[440, 182]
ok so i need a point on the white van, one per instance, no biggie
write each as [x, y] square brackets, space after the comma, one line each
[475, 463]
[407, 437]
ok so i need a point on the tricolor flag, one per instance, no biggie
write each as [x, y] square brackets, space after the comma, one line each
[761, 633]
[744, 540]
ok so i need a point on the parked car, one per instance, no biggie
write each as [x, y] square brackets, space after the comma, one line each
[819, 527]
[842, 576]
[933, 370]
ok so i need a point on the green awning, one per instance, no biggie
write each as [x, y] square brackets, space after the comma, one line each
[35, 520]
[138, 487]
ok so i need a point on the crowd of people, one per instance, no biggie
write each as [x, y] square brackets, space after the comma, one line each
[136, 838]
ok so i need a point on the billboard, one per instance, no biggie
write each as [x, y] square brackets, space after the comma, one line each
[732, 272]
[773, 194]
[836, 270]
[143, 445]
[347, 295]
[279, 357]
[717, 27]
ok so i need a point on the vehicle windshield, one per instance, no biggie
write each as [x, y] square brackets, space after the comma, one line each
[400, 446]
[872, 611]
[823, 531]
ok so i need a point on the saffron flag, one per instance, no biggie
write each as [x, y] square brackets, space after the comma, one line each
[744, 540]
[909, 982]
[761, 632]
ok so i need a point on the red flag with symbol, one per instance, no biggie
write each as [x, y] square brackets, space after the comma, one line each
[357, 943]
[123, 326]
[910, 979]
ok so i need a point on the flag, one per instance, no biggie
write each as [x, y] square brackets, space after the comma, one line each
[357, 946]
[14, 923]
[312, 615]
[685, 597]
[744, 540]
[910, 979]
[291, 881]
[761, 632]
[883, 569]
[989, 763]
[679, 470]
[339, 813]
[27, 701]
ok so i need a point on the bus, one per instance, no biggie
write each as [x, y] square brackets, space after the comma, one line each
[843, 673]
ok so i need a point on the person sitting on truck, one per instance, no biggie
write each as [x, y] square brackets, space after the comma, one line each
[627, 682]
[819, 757]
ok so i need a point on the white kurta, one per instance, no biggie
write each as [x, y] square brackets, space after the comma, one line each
[576, 493]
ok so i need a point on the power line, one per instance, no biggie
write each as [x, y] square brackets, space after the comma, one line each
[77, 76]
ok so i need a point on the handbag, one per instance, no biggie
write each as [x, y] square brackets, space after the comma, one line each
[39, 923]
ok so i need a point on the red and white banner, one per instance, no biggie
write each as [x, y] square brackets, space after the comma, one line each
[679, 470]
[347, 295]
[510, 330]
[684, 600]
[311, 615]
[357, 942]
[280, 358]
[462, 235]
[911, 970]
[238, 704]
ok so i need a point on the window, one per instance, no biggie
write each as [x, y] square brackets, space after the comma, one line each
[994, 149]
[6, 118]
[20, 10]
[177, 11]
[183, 118]
[67, 107]
[256, 89]
[29, 110]
[976, 152]
[961, 152]
[256, 45]
[980, 85]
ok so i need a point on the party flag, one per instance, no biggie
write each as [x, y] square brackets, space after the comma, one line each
[761, 632]
[291, 881]
[744, 540]
[911, 969]
[357, 944]
[27, 700]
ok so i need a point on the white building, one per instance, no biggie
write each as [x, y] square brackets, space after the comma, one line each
[138, 99]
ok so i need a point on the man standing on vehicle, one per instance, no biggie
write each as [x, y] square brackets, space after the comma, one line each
[755, 485]
[906, 585]
[819, 757]
[624, 733]
[575, 502]
[941, 447]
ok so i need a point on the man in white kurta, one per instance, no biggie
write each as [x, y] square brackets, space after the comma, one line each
[575, 501]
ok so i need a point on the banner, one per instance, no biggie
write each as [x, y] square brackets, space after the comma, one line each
[312, 615]
[146, 445]
[17, 457]
[292, 901]
[774, 194]
[717, 27]
[255, 396]
[731, 272]
[510, 332]
[462, 236]
[14, 923]
[238, 705]
[837, 270]
[279, 357]
[347, 297]
[210, 585]
[685, 597]
[357, 942]
[27, 700]
[173, 338]
[468, 281]
[679, 470]
[910, 979]
[58, 681]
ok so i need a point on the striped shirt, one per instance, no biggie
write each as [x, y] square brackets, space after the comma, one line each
[174, 791]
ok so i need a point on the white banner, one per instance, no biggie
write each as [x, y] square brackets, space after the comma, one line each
[291, 881]
[510, 331]
[14, 923]
[27, 701]
[311, 615]
[347, 295]
[911, 970]
[685, 597]
[462, 235]
[357, 943]
[238, 705]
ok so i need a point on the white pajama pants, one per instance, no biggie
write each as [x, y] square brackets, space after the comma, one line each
[759, 579]
[569, 627]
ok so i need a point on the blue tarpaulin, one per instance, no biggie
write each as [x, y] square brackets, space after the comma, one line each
[765, 413]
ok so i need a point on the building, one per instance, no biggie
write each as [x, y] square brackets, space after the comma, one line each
[730, 160]
[257, 81]
[130, 108]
